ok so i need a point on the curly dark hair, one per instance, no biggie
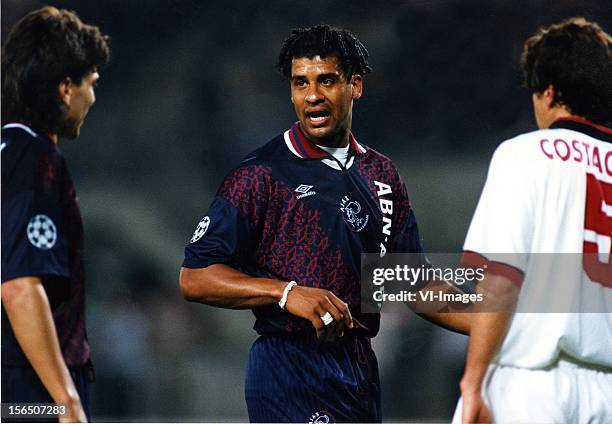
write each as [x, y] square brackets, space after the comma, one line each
[325, 41]
[42, 49]
[575, 57]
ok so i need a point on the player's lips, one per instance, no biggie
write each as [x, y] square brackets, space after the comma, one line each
[318, 117]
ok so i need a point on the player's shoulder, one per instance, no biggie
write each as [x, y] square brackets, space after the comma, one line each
[533, 140]
[377, 160]
[258, 163]
[374, 155]
[265, 155]
[251, 176]
[20, 142]
[521, 141]
[549, 151]
[373, 165]
[525, 146]
[28, 160]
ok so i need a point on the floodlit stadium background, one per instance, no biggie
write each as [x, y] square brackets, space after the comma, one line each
[191, 89]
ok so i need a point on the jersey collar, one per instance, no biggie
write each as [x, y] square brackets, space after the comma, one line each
[585, 126]
[49, 137]
[303, 148]
[21, 127]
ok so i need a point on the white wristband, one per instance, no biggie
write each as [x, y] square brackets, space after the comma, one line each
[288, 288]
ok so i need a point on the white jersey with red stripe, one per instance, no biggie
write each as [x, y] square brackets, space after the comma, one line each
[547, 200]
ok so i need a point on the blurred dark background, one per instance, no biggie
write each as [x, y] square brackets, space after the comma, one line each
[191, 89]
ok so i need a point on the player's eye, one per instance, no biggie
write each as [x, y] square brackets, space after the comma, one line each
[299, 83]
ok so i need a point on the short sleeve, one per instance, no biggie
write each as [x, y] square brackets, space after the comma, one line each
[407, 238]
[33, 233]
[230, 230]
[502, 226]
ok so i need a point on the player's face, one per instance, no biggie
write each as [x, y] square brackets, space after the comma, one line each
[77, 99]
[323, 99]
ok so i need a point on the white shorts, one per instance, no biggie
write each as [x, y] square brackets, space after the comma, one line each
[565, 393]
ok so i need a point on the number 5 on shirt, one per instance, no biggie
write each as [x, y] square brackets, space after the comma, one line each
[597, 259]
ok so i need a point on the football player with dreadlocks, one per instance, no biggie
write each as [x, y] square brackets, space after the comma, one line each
[284, 237]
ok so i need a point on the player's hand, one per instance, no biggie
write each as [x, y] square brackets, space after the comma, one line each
[75, 413]
[311, 303]
[474, 409]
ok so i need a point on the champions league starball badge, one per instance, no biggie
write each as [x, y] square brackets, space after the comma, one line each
[42, 232]
[200, 229]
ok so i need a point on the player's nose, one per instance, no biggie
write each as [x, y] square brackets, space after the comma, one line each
[313, 95]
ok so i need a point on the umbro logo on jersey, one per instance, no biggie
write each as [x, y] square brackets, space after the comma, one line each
[304, 191]
[303, 188]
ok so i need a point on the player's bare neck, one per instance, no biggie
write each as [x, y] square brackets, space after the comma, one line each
[556, 113]
[562, 112]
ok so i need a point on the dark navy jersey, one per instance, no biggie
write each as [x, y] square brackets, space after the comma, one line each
[42, 235]
[289, 211]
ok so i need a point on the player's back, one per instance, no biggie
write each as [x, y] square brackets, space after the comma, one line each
[565, 176]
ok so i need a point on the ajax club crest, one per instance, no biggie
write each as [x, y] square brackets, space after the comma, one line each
[351, 212]
[321, 417]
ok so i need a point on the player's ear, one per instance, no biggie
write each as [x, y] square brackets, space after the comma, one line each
[356, 86]
[549, 95]
[64, 90]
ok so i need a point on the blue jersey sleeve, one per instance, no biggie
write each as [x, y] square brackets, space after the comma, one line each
[405, 227]
[33, 232]
[220, 237]
[229, 232]
[409, 239]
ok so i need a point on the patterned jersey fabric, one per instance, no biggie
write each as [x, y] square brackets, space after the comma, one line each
[289, 211]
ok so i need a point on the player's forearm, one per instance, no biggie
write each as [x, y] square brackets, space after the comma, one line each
[27, 307]
[488, 328]
[487, 333]
[223, 286]
[441, 312]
